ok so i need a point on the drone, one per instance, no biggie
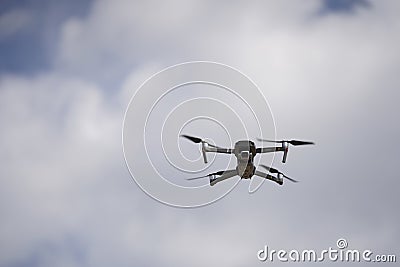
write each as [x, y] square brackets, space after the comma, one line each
[245, 151]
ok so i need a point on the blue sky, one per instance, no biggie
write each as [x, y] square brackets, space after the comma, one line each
[332, 6]
[329, 70]
[30, 48]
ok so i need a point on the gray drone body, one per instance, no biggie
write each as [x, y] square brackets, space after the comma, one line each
[245, 151]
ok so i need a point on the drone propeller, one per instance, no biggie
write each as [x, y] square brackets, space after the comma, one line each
[192, 138]
[197, 141]
[211, 174]
[292, 142]
[273, 170]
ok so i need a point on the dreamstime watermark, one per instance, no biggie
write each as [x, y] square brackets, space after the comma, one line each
[340, 253]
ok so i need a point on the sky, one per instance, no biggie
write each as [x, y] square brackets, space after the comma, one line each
[68, 69]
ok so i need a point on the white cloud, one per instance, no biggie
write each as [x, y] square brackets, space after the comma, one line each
[123, 36]
[64, 188]
[57, 134]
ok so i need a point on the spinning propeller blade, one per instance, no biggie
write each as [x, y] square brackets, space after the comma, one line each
[195, 178]
[192, 138]
[292, 142]
[273, 170]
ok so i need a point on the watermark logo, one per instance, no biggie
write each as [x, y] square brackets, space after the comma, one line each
[205, 99]
[339, 254]
[341, 243]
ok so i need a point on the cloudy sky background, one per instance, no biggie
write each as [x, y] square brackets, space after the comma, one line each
[329, 70]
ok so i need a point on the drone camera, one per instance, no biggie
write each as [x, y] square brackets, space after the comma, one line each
[245, 155]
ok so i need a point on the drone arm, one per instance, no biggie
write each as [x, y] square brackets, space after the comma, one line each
[206, 147]
[269, 149]
[284, 148]
[269, 177]
[225, 175]
[216, 149]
